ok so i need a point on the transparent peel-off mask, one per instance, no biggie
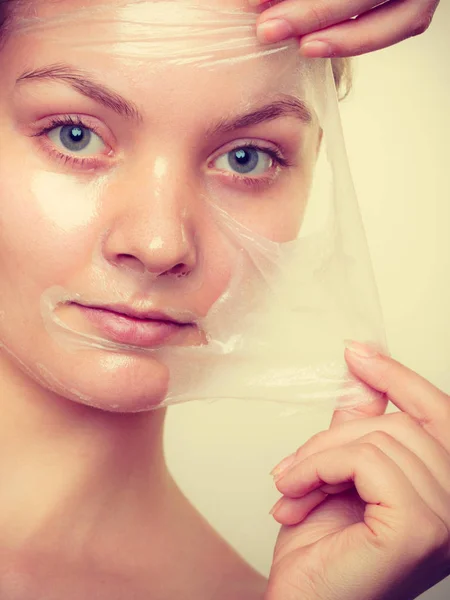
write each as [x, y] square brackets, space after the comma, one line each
[221, 254]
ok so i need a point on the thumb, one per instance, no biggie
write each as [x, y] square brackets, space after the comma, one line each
[378, 401]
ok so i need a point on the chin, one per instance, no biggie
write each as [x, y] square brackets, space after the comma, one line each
[110, 382]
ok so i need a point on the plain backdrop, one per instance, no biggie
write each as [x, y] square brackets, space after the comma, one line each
[397, 130]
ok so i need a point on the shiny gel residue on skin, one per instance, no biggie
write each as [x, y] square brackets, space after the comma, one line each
[67, 204]
[155, 224]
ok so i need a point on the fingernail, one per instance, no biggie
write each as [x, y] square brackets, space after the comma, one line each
[282, 466]
[316, 49]
[361, 350]
[275, 506]
[274, 30]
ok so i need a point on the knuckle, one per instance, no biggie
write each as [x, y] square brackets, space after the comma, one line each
[434, 533]
[384, 376]
[403, 420]
[421, 22]
[319, 438]
[316, 441]
[441, 537]
[321, 15]
[356, 50]
[446, 407]
[378, 438]
[442, 413]
[369, 452]
[418, 27]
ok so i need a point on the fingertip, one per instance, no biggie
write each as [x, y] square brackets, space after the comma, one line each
[317, 49]
[275, 507]
[362, 399]
[292, 511]
[273, 31]
[282, 466]
[357, 350]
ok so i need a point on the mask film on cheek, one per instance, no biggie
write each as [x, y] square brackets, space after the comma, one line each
[242, 283]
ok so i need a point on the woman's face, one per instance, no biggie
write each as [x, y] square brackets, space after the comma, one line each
[114, 173]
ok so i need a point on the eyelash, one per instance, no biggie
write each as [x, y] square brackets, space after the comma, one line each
[92, 163]
[261, 182]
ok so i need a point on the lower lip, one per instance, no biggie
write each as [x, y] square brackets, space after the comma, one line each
[129, 330]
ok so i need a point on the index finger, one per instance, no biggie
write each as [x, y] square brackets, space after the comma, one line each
[375, 408]
[410, 392]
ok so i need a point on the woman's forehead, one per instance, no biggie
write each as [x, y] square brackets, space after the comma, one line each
[129, 37]
[159, 26]
[173, 8]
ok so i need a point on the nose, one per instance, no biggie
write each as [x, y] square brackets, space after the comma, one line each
[153, 228]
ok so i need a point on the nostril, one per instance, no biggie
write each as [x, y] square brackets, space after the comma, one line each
[180, 270]
[128, 260]
[126, 257]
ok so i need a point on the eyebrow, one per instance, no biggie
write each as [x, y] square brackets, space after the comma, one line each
[85, 85]
[285, 106]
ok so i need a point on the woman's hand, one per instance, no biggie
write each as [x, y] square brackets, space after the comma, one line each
[343, 27]
[366, 505]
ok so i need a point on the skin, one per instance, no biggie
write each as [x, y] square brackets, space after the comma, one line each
[90, 454]
[105, 470]
[332, 28]
[366, 505]
[112, 240]
[344, 535]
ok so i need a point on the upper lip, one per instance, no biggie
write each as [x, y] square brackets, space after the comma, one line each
[145, 315]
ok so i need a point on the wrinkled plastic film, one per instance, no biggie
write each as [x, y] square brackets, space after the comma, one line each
[180, 33]
[262, 283]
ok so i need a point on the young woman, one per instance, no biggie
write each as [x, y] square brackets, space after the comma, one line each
[88, 508]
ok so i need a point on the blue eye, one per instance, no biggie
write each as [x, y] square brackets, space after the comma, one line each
[74, 137]
[77, 139]
[245, 161]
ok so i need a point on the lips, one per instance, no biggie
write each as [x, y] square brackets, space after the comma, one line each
[127, 326]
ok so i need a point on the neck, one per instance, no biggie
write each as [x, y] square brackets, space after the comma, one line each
[86, 492]
[72, 475]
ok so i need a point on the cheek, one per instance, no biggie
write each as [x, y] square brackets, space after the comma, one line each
[220, 256]
[45, 222]
[275, 215]
[285, 215]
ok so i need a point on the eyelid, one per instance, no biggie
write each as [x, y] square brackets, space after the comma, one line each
[43, 126]
[256, 183]
[264, 157]
[54, 136]
[78, 162]
[256, 143]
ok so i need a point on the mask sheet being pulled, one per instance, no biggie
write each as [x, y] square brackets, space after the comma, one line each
[210, 239]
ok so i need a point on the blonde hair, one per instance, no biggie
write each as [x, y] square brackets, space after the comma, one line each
[342, 71]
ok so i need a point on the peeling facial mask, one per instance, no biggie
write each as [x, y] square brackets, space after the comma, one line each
[182, 222]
